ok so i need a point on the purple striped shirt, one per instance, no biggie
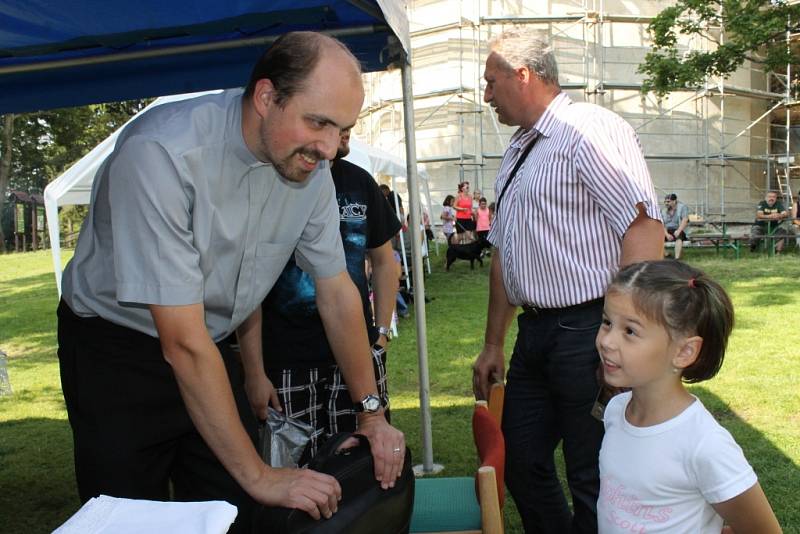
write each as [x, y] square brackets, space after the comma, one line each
[560, 224]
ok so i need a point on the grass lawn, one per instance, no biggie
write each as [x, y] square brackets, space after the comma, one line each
[755, 396]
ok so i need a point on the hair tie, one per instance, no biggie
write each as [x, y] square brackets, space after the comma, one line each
[691, 283]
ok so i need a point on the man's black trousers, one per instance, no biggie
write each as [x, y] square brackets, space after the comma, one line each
[132, 434]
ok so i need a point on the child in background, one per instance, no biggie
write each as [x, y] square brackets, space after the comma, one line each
[665, 464]
[483, 220]
[448, 217]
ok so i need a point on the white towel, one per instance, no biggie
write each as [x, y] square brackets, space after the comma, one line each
[105, 514]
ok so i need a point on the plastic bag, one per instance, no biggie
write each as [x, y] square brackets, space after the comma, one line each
[283, 439]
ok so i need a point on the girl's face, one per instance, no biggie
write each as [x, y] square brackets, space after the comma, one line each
[483, 205]
[635, 351]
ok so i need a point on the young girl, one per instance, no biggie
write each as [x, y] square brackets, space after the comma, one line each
[665, 464]
[448, 217]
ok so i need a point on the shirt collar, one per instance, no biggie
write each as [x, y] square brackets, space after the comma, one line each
[546, 123]
[238, 146]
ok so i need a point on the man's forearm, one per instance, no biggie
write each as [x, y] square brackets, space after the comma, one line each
[500, 312]
[385, 282]
[205, 389]
[207, 394]
[345, 327]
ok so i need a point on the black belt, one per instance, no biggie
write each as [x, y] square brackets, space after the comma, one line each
[537, 311]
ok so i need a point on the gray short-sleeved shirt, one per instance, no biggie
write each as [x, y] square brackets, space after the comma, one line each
[673, 220]
[183, 213]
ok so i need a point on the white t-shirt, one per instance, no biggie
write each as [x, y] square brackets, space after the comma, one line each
[448, 226]
[662, 478]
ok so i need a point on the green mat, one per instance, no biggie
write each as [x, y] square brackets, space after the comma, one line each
[445, 504]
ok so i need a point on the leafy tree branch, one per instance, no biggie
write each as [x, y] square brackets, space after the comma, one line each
[750, 30]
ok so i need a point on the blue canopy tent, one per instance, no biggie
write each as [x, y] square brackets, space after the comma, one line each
[60, 53]
[67, 53]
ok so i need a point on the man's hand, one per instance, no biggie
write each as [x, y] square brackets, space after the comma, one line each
[260, 393]
[315, 493]
[488, 368]
[388, 446]
[671, 237]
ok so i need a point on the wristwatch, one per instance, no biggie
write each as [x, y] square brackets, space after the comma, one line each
[369, 404]
[384, 331]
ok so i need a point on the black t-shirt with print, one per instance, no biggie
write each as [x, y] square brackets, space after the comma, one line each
[293, 335]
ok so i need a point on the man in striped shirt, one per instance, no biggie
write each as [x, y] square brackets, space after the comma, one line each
[574, 203]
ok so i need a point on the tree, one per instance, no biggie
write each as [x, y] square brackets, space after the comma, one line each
[5, 169]
[754, 30]
[37, 147]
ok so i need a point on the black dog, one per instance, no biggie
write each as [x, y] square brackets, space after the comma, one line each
[469, 251]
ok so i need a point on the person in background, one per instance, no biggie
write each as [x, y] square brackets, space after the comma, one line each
[396, 202]
[483, 220]
[666, 324]
[301, 365]
[676, 220]
[770, 215]
[796, 221]
[448, 217]
[476, 200]
[555, 259]
[426, 223]
[465, 224]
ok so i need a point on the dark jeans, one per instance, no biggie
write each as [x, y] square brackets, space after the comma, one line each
[131, 431]
[551, 387]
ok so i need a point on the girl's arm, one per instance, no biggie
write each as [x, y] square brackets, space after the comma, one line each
[749, 512]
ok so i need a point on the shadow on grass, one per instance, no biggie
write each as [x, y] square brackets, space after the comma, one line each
[453, 447]
[778, 474]
[37, 476]
[39, 489]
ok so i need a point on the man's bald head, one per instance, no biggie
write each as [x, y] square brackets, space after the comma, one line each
[289, 62]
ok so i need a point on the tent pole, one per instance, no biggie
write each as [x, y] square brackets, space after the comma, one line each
[53, 226]
[416, 269]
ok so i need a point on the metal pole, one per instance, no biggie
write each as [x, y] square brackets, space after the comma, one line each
[788, 98]
[722, 129]
[416, 270]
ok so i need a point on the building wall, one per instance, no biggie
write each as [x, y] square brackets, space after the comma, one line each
[458, 137]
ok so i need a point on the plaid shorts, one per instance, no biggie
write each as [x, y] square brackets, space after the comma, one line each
[319, 396]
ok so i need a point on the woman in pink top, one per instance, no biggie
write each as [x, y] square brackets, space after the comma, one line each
[483, 220]
[465, 224]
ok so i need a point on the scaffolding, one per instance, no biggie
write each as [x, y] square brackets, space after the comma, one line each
[718, 146]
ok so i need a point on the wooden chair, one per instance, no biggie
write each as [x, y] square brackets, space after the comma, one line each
[468, 505]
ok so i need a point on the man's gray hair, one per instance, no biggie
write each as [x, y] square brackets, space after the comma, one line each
[523, 46]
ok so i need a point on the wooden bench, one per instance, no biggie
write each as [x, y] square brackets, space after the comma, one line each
[718, 241]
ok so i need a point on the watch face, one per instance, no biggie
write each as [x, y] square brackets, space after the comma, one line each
[371, 403]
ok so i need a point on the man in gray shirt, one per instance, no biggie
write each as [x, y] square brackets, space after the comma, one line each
[676, 219]
[193, 217]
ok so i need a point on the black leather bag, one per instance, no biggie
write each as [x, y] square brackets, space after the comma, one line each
[365, 508]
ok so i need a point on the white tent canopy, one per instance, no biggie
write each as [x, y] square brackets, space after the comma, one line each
[74, 186]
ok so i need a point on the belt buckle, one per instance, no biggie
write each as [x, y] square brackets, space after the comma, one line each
[532, 310]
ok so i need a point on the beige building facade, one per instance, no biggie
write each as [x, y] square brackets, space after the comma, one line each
[719, 147]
